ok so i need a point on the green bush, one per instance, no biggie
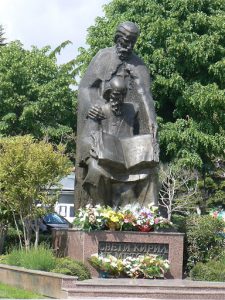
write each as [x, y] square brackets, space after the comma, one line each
[3, 259]
[213, 270]
[11, 240]
[41, 258]
[204, 242]
[69, 266]
[179, 222]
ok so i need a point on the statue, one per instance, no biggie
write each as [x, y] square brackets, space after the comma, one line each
[117, 149]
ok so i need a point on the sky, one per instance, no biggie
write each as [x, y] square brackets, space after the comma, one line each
[50, 22]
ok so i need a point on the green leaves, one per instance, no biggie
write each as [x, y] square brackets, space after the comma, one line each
[186, 141]
[27, 169]
[35, 93]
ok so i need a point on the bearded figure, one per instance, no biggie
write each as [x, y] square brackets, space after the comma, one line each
[117, 149]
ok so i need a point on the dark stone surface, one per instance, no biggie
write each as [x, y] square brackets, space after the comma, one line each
[81, 245]
[117, 149]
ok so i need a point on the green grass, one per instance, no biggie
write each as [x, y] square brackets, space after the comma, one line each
[41, 258]
[9, 292]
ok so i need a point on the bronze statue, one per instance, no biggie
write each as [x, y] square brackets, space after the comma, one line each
[117, 149]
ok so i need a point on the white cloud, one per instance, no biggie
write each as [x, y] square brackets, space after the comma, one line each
[49, 22]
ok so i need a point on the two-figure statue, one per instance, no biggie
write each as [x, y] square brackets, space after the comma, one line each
[117, 149]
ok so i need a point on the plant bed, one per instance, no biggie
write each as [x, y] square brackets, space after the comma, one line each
[143, 266]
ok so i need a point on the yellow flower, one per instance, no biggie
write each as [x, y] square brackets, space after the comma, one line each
[114, 219]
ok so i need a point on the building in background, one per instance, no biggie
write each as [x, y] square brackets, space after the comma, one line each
[65, 204]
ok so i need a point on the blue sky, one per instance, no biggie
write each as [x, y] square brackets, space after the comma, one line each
[49, 22]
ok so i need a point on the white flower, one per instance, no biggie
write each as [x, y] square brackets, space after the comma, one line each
[113, 264]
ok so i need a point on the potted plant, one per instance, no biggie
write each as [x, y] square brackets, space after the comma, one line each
[90, 218]
[108, 266]
[143, 266]
[145, 219]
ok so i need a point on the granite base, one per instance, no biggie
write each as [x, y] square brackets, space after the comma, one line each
[81, 245]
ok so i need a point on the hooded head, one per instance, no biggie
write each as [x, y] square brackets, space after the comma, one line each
[125, 38]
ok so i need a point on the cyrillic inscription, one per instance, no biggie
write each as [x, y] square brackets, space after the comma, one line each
[122, 250]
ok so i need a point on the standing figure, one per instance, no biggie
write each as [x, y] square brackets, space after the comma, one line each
[117, 149]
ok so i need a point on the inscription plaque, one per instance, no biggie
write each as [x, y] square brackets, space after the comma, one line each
[124, 249]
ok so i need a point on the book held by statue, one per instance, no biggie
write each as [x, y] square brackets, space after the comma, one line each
[129, 153]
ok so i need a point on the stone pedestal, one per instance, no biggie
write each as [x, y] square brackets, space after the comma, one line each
[81, 245]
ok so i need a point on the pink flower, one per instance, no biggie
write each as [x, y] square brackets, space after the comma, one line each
[156, 221]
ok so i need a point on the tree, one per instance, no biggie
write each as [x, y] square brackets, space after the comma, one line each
[2, 39]
[4, 220]
[35, 93]
[183, 43]
[28, 170]
[178, 190]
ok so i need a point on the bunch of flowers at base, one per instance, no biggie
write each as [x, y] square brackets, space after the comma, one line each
[144, 266]
[89, 218]
[108, 265]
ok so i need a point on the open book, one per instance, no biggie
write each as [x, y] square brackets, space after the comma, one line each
[135, 152]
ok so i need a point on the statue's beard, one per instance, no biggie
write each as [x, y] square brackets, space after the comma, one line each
[116, 107]
[123, 53]
[117, 111]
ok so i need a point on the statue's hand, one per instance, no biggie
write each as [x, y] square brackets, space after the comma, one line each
[96, 113]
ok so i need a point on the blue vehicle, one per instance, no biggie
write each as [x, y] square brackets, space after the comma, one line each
[54, 221]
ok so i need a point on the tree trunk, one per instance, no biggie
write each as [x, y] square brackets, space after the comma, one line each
[36, 233]
[169, 215]
[17, 230]
[3, 231]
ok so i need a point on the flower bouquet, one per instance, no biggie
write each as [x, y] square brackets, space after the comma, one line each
[129, 218]
[145, 218]
[143, 266]
[113, 219]
[153, 266]
[89, 218]
[146, 266]
[161, 223]
[108, 266]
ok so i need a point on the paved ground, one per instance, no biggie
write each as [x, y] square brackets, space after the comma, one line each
[117, 298]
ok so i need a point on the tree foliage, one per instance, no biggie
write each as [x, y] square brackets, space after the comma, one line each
[183, 44]
[2, 39]
[28, 169]
[35, 93]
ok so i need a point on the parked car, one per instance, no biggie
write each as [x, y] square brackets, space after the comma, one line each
[52, 221]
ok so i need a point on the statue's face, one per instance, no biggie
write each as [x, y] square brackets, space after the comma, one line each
[125, 45]
[117, 97]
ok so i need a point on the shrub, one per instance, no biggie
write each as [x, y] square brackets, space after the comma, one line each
[11, 239]
[213, 270]
[203, 238]
[41, 258]
[69, 266]
[3, 259]
[179, 222]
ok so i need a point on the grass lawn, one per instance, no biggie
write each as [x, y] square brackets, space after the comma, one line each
[7, 291]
